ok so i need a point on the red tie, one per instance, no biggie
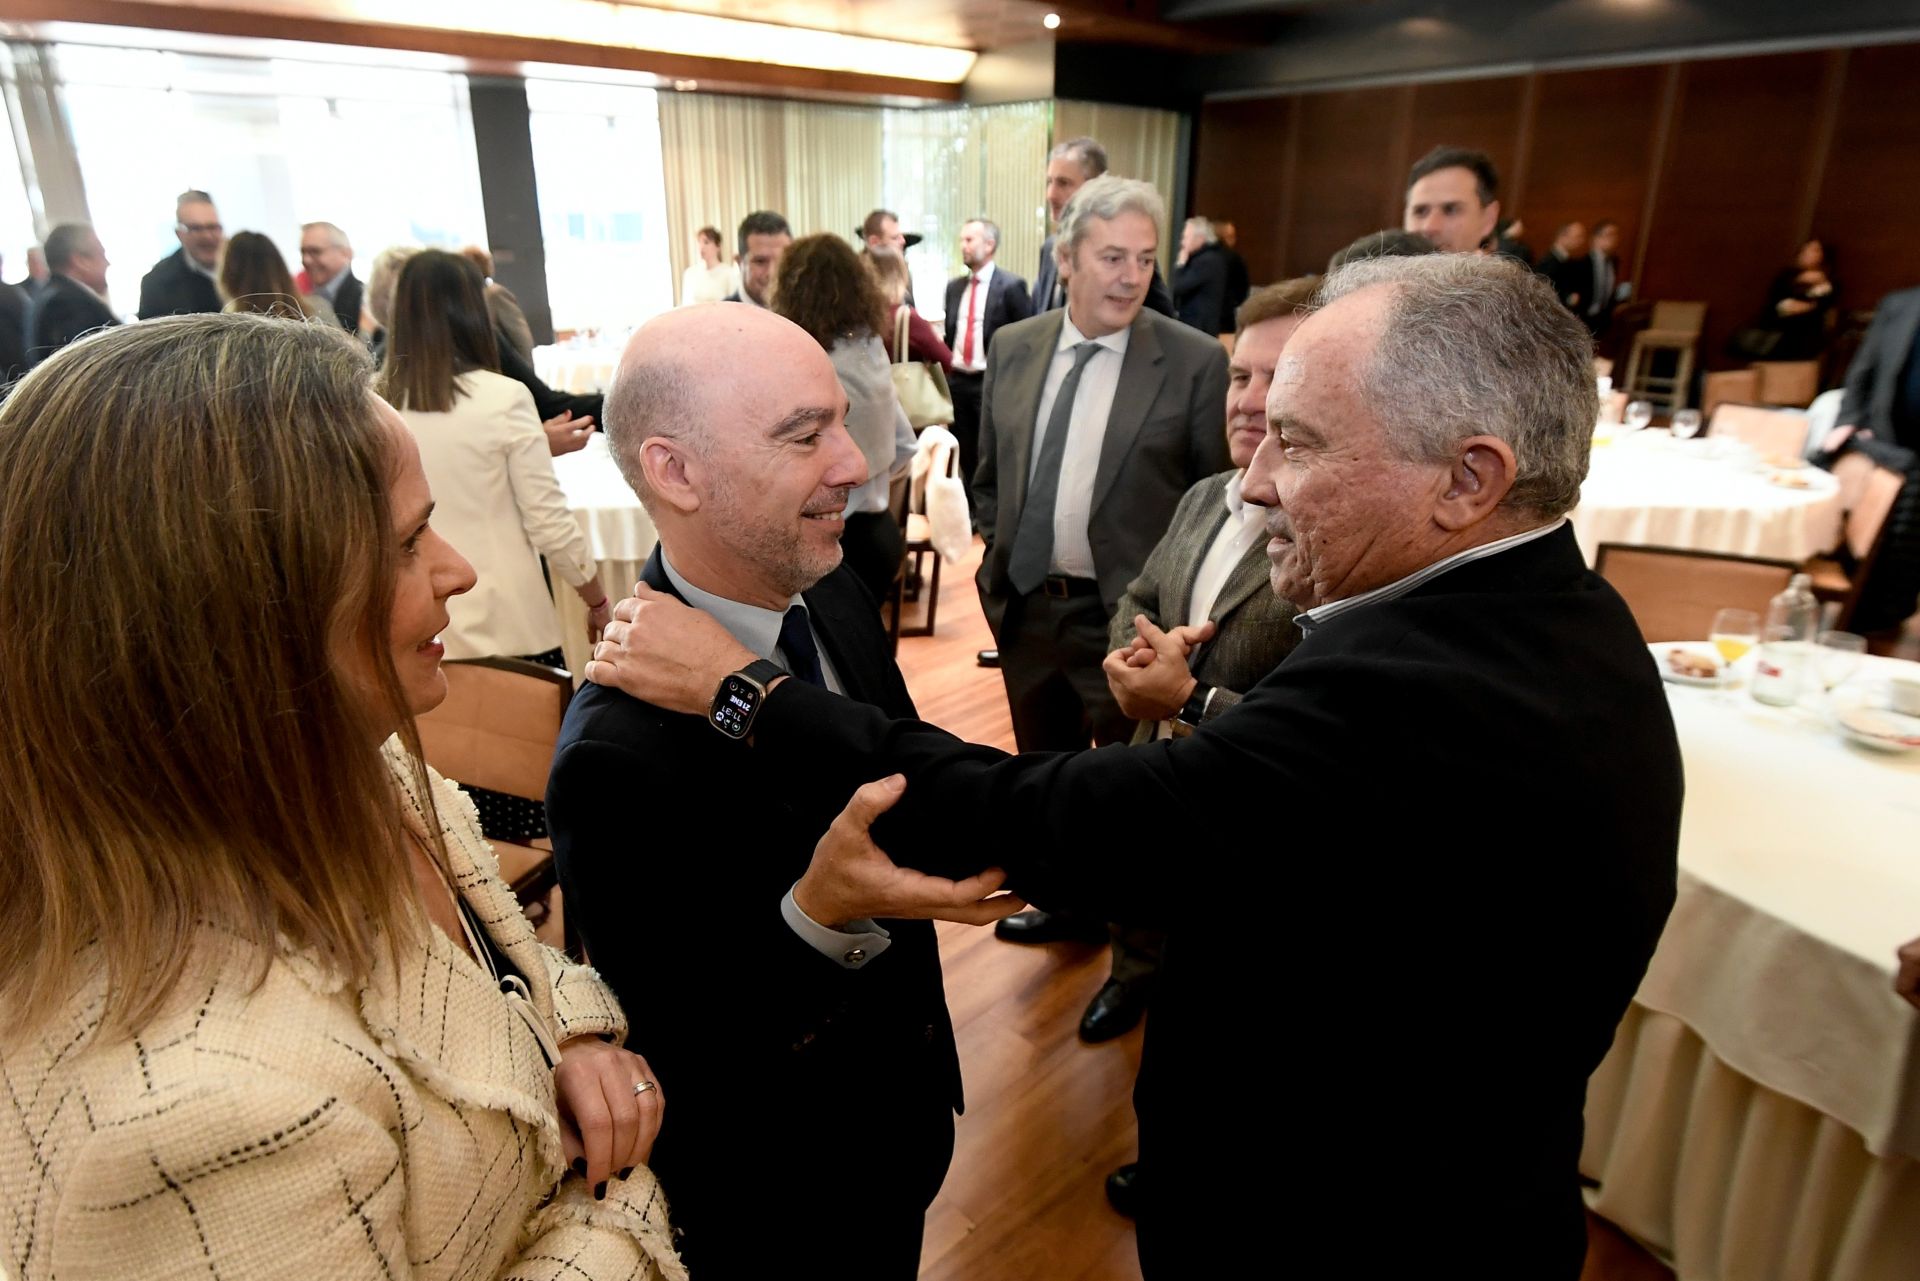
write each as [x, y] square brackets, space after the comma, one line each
[966, 343]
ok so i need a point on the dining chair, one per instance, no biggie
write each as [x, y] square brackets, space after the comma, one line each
[1778, 435]
[1674, 330]
[1788, 382]
[1868, 492]
[497, 729]
[1674, 592]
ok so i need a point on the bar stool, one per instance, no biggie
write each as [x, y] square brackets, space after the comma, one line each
[1675, 328]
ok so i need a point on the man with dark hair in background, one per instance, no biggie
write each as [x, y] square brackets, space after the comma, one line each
[1568, 269]
[763, 237]
[1606, 275]
[183, 282]
[1453, 199]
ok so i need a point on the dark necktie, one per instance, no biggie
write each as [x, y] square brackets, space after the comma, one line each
[796, 642]
[1033, 538]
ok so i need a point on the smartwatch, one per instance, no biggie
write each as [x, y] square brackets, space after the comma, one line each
[1196, 709]
[738, 700]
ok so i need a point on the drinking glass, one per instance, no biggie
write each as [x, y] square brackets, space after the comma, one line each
[1836, 656]
[1686, 424]
[1639, 414]
[1735, 631]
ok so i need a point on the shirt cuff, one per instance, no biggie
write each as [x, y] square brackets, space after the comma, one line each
[850, 949]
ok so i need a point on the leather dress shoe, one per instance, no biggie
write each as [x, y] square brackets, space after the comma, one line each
[1035, 926]
[1114, 1011]
[988, 658]
[1123, 1189]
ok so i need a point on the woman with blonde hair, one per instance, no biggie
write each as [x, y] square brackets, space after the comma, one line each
[275, 1013]
[377, 299]
[253, 277]
[822, 286]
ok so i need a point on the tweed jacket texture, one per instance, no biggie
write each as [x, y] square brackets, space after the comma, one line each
[308, 1128]
[1253, 628]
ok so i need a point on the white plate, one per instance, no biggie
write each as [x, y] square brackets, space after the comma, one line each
[1699, 682]
[1881, 729]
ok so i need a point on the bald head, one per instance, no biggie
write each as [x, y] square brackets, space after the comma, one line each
[685, 374]
[730, 424]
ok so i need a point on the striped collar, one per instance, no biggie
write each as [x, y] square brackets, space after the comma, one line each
[1311, 618]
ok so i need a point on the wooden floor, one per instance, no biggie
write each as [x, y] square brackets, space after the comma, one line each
[1048, 1117]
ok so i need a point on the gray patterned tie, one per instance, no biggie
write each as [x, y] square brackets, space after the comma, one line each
[1033, 538]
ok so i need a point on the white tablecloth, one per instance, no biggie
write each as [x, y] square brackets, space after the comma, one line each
[619, 533]
[577, 370]
[1649, 490]
[1759, 1114]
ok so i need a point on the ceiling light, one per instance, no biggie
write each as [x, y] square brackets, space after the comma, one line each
[1051, 22]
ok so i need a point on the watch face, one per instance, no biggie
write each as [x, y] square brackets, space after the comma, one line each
[733, 706]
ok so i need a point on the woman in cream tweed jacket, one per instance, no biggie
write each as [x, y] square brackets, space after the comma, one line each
[244, 1039]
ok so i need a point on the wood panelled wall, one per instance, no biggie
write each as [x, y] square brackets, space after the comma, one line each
[1715, 170]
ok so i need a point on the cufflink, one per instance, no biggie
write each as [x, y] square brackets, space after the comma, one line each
[855, 956]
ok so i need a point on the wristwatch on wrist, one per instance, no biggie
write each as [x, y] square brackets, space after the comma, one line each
[738, 700]
[1195, 710]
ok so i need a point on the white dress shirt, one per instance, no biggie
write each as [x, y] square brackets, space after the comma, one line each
[702, 283]
[759, 630]
[1244, 528]
[983, 281]
[1086, 432]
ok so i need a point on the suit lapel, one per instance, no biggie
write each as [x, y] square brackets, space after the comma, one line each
[1192, 543]
[837, 617]
[1024, 378]
[1251, 575]
[1140, 377]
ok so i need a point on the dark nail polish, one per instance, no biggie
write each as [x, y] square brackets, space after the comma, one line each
[627, 1173]
[599, 1191]
[580, 1166]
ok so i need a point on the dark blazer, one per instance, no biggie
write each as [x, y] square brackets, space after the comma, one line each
[63, 312]
[675, 853]
[1006, 301]
[13, 333]
[174, 288]
[1200, 289]
[1239, 285]
[346, 302]
[1873, 380]
[1044, 280]
[548, 402]
[1253, 628]
[1454, 815]
[1164, 433]
[1571, 278]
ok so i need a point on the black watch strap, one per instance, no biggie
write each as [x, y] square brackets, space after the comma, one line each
[1196, 707]
[763, 672]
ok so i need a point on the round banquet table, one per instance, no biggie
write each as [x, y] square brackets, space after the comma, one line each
[579, 370]
[1650, 490]
[1758, 1115]
[619, 533]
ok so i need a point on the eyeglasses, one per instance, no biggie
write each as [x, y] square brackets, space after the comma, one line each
[199, 228]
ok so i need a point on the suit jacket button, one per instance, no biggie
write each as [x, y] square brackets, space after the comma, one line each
[856, 956]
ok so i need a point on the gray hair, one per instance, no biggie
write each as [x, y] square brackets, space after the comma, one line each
[1106, 198]
[384, 276]
[335, 237]
[655, 397]
[65, 243]
[1480, 346]
[1205, 227]
[193, 196]
[1085, 152]
[988, 226]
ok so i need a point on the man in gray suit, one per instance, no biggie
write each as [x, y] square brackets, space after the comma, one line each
[1883, 383]
[1200, 626]
[1095, 419]
[1071, 165]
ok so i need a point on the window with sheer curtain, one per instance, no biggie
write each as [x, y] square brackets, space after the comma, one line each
[16, 214]
[386, 154]
[603, 206]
